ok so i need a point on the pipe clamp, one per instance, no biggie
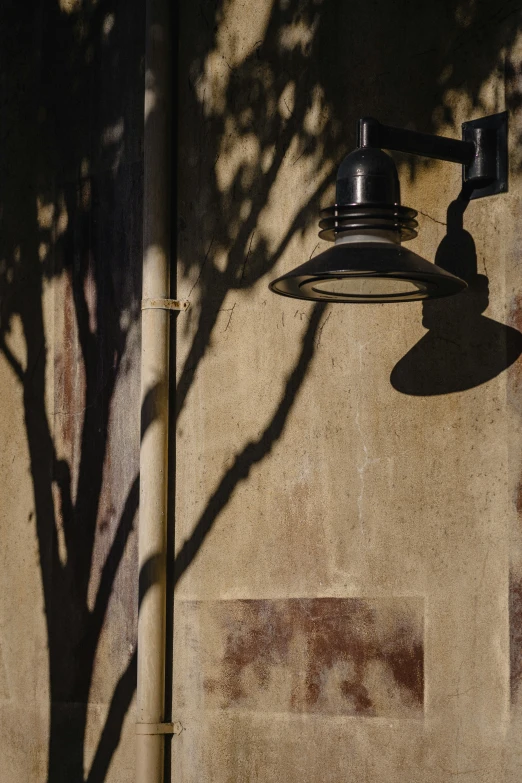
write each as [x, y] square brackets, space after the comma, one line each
[159, 728]
[165, 304]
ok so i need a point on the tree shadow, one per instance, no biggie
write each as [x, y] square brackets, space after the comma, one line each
[70, 194]
[462, 348]
[253, 452]
[285, 99]
[70, 202]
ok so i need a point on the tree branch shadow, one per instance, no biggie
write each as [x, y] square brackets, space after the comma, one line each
[253, 452]
[70, 198]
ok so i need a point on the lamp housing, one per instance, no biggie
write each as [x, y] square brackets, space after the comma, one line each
[367, 224]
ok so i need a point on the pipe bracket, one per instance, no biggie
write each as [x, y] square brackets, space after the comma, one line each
[159, 728]
[165, 304]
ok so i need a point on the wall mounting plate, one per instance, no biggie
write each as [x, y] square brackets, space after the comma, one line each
[499, 124]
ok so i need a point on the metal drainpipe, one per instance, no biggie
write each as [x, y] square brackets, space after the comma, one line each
[151, 729]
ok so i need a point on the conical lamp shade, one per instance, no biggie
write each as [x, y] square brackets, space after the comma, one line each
[367, 271]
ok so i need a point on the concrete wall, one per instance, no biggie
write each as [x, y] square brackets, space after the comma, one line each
[345, 487]
[70, 238]
[347, 527]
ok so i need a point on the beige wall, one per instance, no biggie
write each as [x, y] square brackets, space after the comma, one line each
[348, 569]
[364, 455]
[70, 258]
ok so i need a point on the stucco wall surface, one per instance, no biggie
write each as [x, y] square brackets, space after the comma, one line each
[348, 598]
[71, 124]
[345, 480]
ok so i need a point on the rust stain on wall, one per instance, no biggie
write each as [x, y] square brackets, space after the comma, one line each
[349, 656]
[66, 367]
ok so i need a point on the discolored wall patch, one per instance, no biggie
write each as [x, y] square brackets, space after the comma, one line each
[339, 656]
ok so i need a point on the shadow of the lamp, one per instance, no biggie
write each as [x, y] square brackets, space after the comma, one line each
[462, 348]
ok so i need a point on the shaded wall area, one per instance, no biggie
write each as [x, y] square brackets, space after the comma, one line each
[70, 237]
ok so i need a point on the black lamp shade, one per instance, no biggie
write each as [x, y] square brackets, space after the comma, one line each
[367, 271]
[367, 262]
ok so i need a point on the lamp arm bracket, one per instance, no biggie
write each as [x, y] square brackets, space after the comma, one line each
[482, 151]
[372, 133]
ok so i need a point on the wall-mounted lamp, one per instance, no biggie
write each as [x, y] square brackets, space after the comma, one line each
[367, 224]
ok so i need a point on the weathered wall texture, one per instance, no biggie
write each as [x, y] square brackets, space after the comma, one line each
[348, 589]
[70, 237]
[348, 563]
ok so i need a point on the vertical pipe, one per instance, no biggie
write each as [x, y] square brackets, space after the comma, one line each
[154, 396]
